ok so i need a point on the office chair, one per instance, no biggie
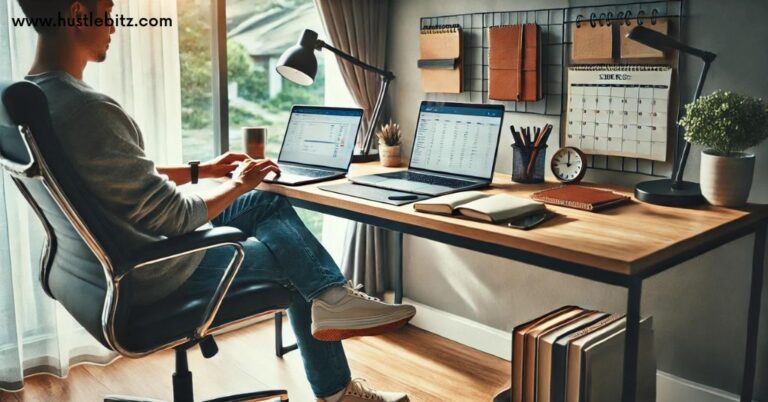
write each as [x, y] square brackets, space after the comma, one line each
[84, 266]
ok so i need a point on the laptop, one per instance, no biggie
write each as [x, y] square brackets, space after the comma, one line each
[454, 149]
[318, 144]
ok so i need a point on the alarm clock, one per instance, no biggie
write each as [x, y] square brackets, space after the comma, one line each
[569, 165]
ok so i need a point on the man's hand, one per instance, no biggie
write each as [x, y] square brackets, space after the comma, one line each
[222, 165]
[252, 172]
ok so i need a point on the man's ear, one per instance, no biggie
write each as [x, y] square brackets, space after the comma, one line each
[79, 12]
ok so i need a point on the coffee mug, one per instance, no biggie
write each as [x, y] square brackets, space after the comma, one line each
[255, 141]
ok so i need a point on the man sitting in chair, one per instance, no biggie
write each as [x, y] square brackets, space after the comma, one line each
[106, 147]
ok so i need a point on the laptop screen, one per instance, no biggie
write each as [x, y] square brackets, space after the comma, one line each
[457, 138]
[321, 136]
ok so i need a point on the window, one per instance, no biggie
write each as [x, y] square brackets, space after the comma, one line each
[196, 79]
[258, 32]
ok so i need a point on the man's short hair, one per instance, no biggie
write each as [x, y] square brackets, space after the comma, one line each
[44, 9]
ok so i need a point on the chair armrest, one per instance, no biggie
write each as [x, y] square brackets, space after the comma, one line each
[185, 244]
[191, 242]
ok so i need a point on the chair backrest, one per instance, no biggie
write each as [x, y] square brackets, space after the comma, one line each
[76, 268]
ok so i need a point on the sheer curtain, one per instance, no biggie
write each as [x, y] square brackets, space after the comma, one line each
[142, 73]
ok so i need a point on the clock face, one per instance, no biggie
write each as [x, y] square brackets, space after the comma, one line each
[569, 165]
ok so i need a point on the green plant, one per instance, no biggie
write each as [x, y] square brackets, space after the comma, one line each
[726, 122]
[389, 134]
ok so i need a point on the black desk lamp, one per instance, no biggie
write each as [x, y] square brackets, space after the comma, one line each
[675, 191]
[299, 64]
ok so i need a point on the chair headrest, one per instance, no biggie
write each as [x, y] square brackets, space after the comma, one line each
[21, 104]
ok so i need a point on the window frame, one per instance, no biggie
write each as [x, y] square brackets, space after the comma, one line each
[219, 82]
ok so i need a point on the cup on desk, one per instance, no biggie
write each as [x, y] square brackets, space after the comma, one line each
[255, 141]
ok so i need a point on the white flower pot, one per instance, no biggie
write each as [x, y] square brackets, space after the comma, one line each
[726, 180]
[390, 155]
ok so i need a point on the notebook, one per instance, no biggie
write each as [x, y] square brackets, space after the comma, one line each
[547, 372]
[441, 59]
[530, 348]
[632, 49]
[592, 42]
[580, 197]
[602, 367]
[560, 356]
[575, 347]
[515, 63]
[518, 350]
[619, 110]
[480, 206]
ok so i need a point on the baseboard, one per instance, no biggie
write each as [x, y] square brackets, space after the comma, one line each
[459, 329]
[669, 388]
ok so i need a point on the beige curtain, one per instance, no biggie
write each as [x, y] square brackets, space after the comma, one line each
[358, 28]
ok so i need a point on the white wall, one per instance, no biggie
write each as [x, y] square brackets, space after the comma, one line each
[699, 308]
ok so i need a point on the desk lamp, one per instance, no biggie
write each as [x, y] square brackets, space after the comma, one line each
[298, 64]
[675, 191]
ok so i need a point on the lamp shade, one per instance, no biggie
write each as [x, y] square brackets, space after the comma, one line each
[298, 64]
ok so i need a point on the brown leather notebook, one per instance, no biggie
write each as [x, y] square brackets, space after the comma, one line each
[514, 63]
[580, 197]
[437, 46]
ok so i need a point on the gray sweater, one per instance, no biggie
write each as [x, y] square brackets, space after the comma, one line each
[107, 150]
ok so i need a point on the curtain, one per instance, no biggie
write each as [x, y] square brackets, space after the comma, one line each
[142, 73]
[359, 28]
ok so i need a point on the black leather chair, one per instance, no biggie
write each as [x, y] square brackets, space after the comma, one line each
[84, 266]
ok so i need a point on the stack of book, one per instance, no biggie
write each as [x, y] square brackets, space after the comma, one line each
[577, 355]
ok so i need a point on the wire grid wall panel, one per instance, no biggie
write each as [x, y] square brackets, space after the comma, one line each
[556, 45]
[475, 36]
[634, 13]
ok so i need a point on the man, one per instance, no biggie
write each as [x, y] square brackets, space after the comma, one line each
[142, 203]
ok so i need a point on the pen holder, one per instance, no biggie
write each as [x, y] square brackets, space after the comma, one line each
[523, 171]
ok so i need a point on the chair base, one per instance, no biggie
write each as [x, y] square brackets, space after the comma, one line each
[276, 395]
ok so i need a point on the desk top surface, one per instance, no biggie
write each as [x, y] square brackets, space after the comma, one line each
[627, 239]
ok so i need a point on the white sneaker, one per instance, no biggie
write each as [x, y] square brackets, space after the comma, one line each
[358, 391]
[357, 314]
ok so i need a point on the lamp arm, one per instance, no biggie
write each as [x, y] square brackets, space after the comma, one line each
[355, 61]
[678, 176]
[375, 116]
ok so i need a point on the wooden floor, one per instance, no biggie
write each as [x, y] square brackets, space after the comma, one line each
[426, 366]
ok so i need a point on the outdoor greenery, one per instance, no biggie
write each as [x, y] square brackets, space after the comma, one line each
[253, 106]
[726, 122]
[251, 78]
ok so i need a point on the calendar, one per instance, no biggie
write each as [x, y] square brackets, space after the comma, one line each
[619, 110]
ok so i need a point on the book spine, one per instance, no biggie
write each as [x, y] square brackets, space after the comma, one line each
[564, 203]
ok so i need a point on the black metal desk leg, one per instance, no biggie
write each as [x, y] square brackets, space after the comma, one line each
[399, 270]
[750, 357]
[631, 341]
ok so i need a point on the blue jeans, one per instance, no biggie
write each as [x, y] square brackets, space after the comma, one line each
[281, 249]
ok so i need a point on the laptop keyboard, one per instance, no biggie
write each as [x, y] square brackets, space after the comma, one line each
[300, 171]
[428, 179]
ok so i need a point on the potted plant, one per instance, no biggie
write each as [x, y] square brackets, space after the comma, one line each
[726, 124]
[390, 144]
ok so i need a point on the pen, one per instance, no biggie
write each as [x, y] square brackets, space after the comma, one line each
[403, 197]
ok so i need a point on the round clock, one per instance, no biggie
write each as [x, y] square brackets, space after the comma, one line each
[569, 165]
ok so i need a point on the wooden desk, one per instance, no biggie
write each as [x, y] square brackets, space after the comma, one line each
[621, 246]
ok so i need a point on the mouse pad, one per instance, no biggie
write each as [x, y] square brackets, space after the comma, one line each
[372, 193]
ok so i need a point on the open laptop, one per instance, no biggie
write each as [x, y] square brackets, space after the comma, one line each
[454, 149]
[318, 144]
